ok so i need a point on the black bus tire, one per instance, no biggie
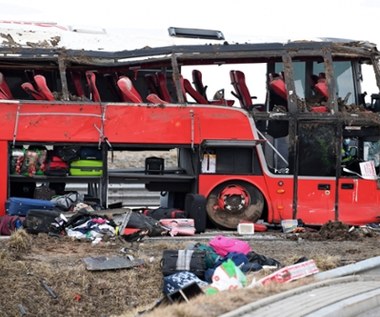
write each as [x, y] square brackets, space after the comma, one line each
[233, 202]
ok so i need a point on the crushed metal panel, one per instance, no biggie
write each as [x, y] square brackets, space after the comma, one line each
[102, 263]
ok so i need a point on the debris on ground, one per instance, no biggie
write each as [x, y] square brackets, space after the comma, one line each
[71, 289]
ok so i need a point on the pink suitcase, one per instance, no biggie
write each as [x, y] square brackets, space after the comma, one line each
[179, 226]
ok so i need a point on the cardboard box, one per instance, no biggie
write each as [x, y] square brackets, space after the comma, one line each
[246, 228]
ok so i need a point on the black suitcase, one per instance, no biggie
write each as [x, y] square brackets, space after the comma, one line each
[195, 208]
[90, 153]
[39, 220]
[174, 261]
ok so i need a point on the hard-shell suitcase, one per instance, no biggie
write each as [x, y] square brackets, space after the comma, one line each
[86, 168]
[40, 220]
[195, 208]
[20, 206]
[179, 226]
[90, 153]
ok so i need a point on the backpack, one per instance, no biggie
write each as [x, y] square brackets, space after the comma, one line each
[9, 224]
[55, 166]
[211, 258]
[67, 153]
[223, 245]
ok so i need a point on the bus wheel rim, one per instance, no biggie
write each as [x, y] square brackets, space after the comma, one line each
[233, 198]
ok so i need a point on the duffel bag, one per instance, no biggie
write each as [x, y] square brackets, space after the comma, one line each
[9, 224]
[55, 166]
[164, 213]
[174, 261]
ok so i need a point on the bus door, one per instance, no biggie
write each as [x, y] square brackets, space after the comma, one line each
[315, 167]
[359, 190]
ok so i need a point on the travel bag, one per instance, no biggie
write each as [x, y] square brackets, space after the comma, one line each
[86, 168]
[174, 261]
[195, 208]
[163, 212]
[56, 166]
[9, 224]
[40, 220]
[179, 226]
[20, 206]
[90, 153]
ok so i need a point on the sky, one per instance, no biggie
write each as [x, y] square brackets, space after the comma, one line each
[250, 19]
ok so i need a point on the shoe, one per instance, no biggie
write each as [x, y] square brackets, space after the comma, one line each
[373, 226]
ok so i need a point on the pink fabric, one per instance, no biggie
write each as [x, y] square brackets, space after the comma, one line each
[223, 245]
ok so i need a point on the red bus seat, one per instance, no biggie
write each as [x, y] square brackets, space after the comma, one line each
[91, 81]
[43, 88]
[41, 91]
[163, 88]
[277, 85]
[151, 81]
[30, 90]
[4, 89]
[322, 88]
[241, 89]
[2, 96]
[198, 83]
[76, 77]
[193, 92]
[187, 88]
[128, 92]
[157, 84]
[153, 98]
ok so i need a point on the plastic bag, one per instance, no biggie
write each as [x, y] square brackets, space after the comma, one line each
[227, 276]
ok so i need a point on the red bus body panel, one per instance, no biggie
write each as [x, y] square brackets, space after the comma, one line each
[192, 124]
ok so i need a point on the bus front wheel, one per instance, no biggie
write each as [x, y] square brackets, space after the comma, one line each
[231, 203]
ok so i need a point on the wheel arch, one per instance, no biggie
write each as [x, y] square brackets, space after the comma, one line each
[256, 192]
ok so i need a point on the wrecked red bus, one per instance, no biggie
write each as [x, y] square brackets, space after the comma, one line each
[263, 131]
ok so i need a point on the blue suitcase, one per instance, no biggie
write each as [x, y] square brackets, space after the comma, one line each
[20, 205]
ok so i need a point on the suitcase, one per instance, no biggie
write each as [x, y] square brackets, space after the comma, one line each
[195, 208]
[40, 220]
[179, 226]
[20, 206]
[86, 168]
[154, 165]
[90, 153]
[174, 261]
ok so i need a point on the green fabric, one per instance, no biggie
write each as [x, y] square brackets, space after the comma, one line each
[211, 257]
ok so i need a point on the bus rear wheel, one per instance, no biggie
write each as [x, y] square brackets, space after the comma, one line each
[230, 203]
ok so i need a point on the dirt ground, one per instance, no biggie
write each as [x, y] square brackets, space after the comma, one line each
[41, 275]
